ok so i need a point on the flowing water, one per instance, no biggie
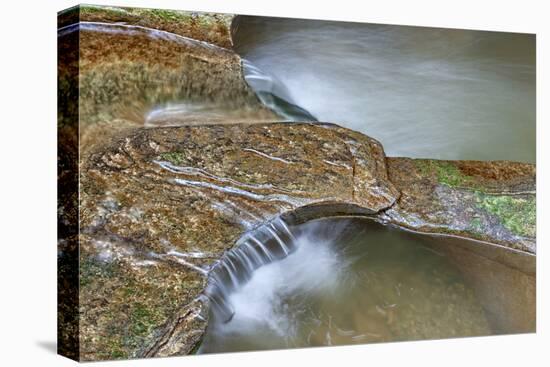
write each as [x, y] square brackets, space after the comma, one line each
[336, 282]
[423, 92]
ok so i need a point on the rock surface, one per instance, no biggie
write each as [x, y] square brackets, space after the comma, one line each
[67, 201]
[213, 28]
[130, 76]
[488, 201]
[159, 207]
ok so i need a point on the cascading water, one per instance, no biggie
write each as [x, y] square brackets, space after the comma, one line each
[270, 242]
[274, 94]
[335, 281]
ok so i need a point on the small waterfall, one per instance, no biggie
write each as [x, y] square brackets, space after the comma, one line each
[345, 281]
[273, 94]
[268, 243]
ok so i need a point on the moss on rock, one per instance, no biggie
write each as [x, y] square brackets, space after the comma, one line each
[213, 28]
[492, 201]
[447, 173]
[517, 214]
[143, 320]
[176, 158]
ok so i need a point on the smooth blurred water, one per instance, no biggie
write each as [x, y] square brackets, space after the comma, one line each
[423, 92]
[348, 281]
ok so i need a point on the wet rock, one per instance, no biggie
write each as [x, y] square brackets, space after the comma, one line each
[159, 206]
[213, 28]
[131, 76]
[489, 201]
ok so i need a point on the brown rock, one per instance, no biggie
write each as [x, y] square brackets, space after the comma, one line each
[213, 28]
[129, 77]
[488, 201]
[159, 206]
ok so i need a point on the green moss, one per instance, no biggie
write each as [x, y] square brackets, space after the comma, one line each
[168, 15]
[173, 157]
[121, 340]
[91, 9]
[118, 354]
[447, 173]
[92, 270]
[143, 320]
[515, 213]
[111, 11]
[116, 350]
[130, 290]
[112, 346]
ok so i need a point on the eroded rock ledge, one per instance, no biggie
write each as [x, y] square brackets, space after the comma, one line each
[160, 206]
[131, 70]
[488, 201]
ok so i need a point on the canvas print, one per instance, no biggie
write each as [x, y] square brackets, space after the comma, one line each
[238, 183]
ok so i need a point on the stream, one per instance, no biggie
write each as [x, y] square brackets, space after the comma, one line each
[422, 92]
